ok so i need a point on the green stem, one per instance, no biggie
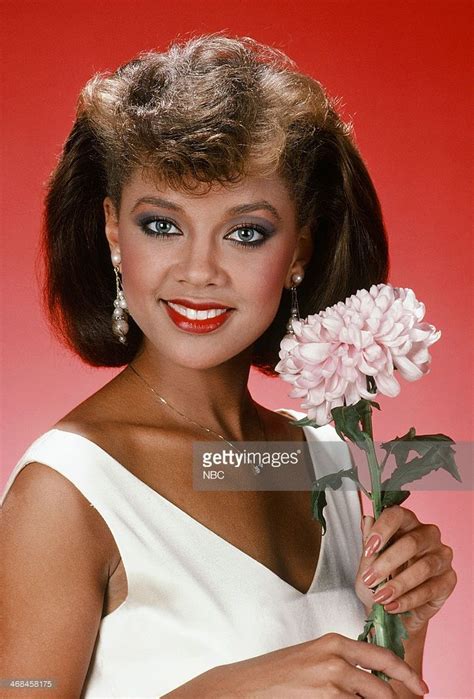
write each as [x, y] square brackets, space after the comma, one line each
[374, 468]
[381, 638]
[379, 614]
[379, 625]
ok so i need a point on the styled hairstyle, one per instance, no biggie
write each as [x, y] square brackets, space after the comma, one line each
[211, 109]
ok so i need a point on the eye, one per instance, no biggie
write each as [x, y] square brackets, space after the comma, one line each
[246, 235]
[158, 227]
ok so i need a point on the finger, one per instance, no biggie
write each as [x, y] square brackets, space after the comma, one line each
[391, 520]
[341, 675]
[366, 685]
[413, 544]
[430, 566]
[434, 592]
[366, 524]
[374, 658]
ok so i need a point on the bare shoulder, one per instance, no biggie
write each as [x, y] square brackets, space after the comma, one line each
[111, 419]
[106, 405]
[41, 501]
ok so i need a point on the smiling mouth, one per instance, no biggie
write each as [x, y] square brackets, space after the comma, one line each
[193, 314]
[196, 314]
[196, 321]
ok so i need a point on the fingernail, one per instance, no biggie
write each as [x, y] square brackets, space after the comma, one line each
[391, 607]
[383, 595]
[423, 686]
[372, 545]
[369, 577]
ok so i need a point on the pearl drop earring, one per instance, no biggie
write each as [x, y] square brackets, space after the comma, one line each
[295, 312]
[120, 312]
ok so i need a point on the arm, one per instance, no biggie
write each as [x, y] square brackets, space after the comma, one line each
[55, 558]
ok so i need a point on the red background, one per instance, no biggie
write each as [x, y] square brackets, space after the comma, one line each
[403, 70]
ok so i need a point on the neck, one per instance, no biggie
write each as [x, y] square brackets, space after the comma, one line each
[217, 397]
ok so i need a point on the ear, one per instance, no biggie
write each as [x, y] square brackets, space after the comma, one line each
[302, 254]
[111, 224]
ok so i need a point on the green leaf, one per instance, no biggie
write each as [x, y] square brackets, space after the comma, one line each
[369, 625]
[333, 481]
[304, 421]
[423, 444]
[397, 446]
[394, 497]
[346, 422]
[435, 452]
[396, 633]
[318, 504]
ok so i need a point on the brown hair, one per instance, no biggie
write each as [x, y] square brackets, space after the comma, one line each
[206, 110]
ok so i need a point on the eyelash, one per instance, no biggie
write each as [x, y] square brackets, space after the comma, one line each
[251, 226]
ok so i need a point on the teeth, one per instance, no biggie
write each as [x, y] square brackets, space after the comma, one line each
[193, 314]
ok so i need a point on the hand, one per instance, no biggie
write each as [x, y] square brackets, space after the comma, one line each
[322, 668]
[419, 563]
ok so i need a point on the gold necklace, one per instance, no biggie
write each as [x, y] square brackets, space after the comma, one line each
[256, 468]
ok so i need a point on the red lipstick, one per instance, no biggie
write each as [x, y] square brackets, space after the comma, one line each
[194, 325]
[201, 305]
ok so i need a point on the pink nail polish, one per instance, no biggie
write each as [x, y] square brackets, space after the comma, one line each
[383, 595]
[391, 607]
[372, 545]
[369, 577]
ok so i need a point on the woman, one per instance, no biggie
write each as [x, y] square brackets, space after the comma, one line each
[196, 188]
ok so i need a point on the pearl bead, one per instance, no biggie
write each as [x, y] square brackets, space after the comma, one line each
[117, 313]
[120, 327]
[116, 258]
[297, 278]
[122, 303]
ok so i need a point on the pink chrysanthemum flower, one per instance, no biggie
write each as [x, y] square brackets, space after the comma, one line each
[332, 353]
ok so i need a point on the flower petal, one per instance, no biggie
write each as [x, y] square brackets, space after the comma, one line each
[388, 384]
[407, 369]
[314, 351]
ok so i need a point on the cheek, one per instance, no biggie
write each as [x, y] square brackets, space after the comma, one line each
[141, 272]
[264, 283]
[271, 273]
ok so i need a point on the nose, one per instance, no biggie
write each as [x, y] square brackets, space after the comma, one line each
[198, 264]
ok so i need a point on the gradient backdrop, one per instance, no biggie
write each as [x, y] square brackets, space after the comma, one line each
[403, 70]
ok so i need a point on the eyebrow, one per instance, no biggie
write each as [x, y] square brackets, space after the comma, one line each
[240, 209]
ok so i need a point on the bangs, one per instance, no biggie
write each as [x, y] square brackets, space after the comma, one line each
[212, 110]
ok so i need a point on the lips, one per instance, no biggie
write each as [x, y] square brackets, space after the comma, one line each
[200, 305]
[197, 325]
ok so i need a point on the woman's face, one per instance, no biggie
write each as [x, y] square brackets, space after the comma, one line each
[234, 246]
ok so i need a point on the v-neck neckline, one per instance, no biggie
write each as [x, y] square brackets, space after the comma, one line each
[202, 527]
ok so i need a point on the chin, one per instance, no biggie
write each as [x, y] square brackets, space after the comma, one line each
[213, 356]
[201, 363]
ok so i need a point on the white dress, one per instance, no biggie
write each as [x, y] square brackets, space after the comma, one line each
[195, 600]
